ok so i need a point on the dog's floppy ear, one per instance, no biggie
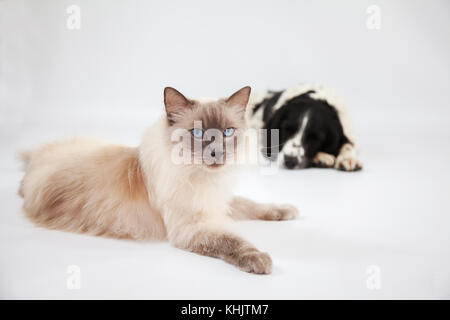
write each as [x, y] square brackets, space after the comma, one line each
[274, 121]
[272, 148]
[240, 97]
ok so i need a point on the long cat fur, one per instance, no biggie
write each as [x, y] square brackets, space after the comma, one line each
[88, 186]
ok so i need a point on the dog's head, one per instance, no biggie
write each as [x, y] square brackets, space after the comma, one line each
[306, 126]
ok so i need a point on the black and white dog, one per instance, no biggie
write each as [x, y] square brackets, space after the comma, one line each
[314, 130]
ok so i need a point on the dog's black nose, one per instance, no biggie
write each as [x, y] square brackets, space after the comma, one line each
[290, 162]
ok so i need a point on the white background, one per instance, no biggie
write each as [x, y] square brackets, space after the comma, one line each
[106, 79]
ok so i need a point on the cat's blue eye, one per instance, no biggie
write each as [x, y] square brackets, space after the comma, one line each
[196, 132]
[228, 132]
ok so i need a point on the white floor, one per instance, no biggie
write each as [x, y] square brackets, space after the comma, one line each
[379, 233]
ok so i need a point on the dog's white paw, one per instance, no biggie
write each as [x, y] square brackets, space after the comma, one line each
[324, 160]
[347, 163]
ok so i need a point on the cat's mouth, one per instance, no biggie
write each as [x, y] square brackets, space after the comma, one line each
[214, 166]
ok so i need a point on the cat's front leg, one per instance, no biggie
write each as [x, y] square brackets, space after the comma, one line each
[242, 208]
[224, 245]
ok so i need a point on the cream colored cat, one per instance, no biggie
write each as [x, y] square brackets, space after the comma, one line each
[87, 186]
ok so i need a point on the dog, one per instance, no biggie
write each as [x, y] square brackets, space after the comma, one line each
[313, 126]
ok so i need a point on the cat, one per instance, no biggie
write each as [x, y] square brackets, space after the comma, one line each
[142, 193]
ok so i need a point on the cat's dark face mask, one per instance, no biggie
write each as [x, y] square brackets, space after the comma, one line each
[211, 128]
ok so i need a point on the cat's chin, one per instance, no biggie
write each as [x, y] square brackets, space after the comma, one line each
[214, 167]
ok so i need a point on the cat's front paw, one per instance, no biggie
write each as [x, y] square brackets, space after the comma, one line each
[255, 262]
[347, 163]
[281, 212]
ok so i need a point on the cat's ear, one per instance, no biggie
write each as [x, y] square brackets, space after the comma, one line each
[240, 97]
[175, 101]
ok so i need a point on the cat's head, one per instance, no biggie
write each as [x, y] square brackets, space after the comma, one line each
[206, 133]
